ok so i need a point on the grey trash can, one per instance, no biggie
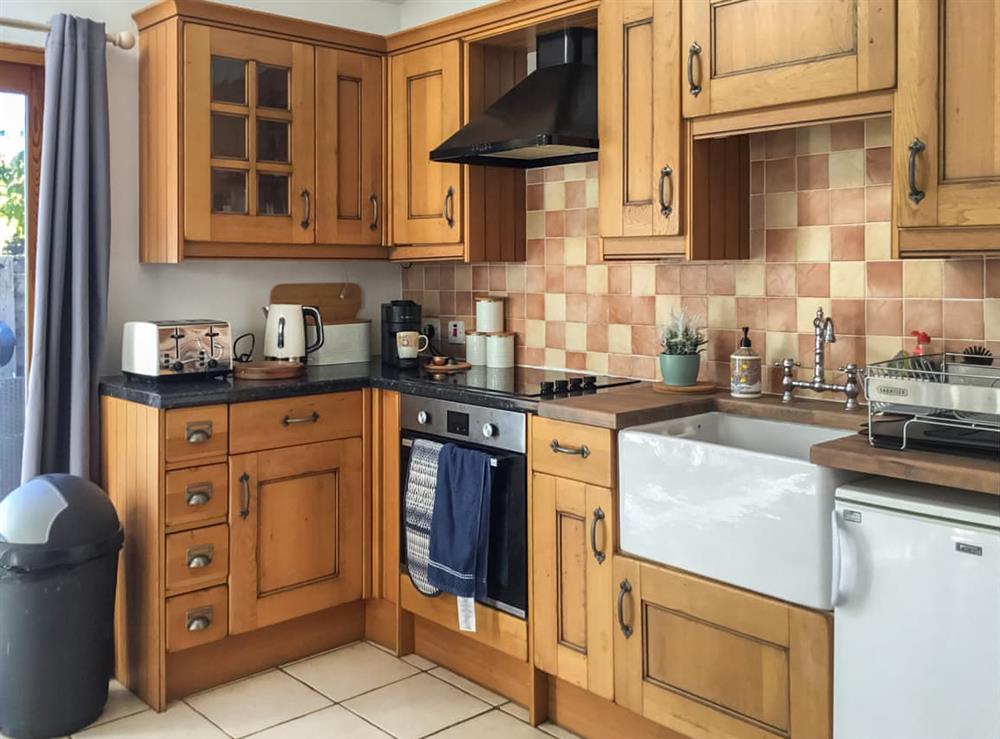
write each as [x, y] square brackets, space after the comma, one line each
[59, 543]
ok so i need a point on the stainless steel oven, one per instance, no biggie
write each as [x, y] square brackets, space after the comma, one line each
[502, 435]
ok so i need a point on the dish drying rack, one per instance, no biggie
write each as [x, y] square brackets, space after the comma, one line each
[935, 389]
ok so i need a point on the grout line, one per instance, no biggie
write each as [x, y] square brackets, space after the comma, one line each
[459, 723]
[226, 733]
[467, 692]
[286, 721]
[352, 697]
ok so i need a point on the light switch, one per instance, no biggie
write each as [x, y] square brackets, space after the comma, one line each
[456, 332]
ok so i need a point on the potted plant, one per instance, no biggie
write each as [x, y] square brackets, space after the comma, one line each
[682, 343]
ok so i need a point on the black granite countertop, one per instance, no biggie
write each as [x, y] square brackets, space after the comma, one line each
[318, 379]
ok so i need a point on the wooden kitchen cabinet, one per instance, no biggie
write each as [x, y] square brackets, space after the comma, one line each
[747, 54]
[572, 537]
[706, 659]
[946, 132]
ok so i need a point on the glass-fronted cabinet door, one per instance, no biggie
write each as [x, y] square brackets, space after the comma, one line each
[248, 141]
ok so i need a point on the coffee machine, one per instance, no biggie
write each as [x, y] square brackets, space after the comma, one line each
[399, 315]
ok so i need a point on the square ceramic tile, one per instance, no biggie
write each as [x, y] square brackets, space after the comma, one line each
[483, 694]
[493, 724]
[781, 210]
[557, 731]
[847, 168]
[813, 172]
[555, 307]
[179, 721]
[121, 703]
[878, 132]
[334, 721]
[257, 702]
[350, 671]
[812, 139]
[421, 663]
[416, 707]
[749, 279]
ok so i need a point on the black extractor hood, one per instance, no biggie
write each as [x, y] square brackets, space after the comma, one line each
[550, 117]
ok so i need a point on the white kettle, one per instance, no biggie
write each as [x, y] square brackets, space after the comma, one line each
[285, 331]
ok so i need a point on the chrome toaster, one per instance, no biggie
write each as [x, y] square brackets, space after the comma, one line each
[188, 348]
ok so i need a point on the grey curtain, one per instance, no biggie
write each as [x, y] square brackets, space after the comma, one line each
[62, 424]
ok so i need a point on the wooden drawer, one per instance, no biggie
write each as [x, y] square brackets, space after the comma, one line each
[584, 453]
[197, 494]
[197, 433]
[197, 558]
[197, 618]
[270, 424]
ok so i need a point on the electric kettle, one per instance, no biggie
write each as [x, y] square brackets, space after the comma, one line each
[285, 332]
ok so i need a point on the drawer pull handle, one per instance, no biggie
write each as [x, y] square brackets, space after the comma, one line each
[582, 451]
[598, 553]
[199, 620]
[624, 589]
[198, 432]
[915, 194]
[311, 418]
[694, 51]
[200, 557]
[199, 493]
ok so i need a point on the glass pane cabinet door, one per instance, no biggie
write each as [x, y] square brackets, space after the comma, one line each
[248, 138]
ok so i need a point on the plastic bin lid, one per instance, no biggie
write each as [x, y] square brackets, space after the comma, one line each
[55, 520]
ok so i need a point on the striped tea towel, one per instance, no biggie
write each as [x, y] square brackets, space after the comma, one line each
[421, 483]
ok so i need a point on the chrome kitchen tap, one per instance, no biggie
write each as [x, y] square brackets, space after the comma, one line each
[824, 335]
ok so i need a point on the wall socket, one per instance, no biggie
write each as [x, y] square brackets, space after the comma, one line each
[434, 324]
[456, 332]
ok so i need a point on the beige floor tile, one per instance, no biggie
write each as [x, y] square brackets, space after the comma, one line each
[345, 673]
[483, 694]
[557, 731]
[421, 663]
[179, 721]
[493, 724]
[256, 703]
[121, 703]
[517, 711]
[325, 724]
[416, 707]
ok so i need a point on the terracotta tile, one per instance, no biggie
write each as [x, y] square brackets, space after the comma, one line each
[576, 279]
[463, 303]
[534, 176]
[593, 250]
[721, 343]
[962, 319]
[535, 251]
[813, 279]
[498, 277]
[620, 308]
[848, 316]
[780, 280]
[555, 223]
[555, 251]
[781, 314]
[696, 307]
[533, 357]
[555, 334]
[432, 277]
[694, 279]
[413, 277]
[993, 278]
[555, 279]
[757, 177]
[480, 277]
[643, 310]
[534, 279]
[885, 317]
[575, 223]
[878, 203]
[847, 205]
[847, 349]
[645, 368]
[878, 166]
[779, 143]
[813, 172]
[645, 339]
[847, 135]
[814, 208]
[779, 175]
[598, 309]
[516, 327]
[576, 360]
[780, 244]
[885, 279]
[922, 315]
[721, 279]
[668, 279]
[591, 170]
[962, 278]
[554, 174]
[576, 306]
[446, 302]
[534, 197]
[593, 222]
[756, 146]
[576, 194]
[620, 365]
[847, 243]
[514, 305]
[447, 277]
[597, 337]
[758, 211]
[751, 312]
[805, 348]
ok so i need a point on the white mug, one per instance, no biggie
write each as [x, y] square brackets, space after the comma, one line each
[410, 343]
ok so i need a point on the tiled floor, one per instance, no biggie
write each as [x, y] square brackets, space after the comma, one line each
[358, 691]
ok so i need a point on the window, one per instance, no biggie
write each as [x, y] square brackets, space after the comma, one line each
[21, 86]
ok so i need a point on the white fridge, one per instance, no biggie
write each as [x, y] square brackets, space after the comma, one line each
[917, 612]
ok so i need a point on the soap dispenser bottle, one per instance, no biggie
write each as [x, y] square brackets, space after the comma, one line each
[744, 369]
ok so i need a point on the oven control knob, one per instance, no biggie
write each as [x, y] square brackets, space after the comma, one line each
[489, 430]
[423, 418]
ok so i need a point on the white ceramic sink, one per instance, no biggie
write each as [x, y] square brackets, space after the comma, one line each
[734, 499]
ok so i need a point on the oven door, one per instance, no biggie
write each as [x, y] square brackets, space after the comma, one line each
[507, 568]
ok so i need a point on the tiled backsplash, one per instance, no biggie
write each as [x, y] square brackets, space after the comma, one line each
[820, 236]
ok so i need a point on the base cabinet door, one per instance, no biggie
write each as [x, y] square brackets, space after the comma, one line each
[745, 54]
[296, 543]
[572, 582]
[709, 660]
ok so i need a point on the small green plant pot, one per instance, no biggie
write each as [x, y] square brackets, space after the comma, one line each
[679, 369]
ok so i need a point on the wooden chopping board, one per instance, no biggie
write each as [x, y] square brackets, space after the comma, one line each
[336, 301]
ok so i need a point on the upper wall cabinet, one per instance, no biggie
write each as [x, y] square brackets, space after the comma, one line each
[746, 54]
[946, 140]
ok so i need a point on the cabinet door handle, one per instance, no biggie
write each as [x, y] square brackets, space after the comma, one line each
[200, 557]
[916, 147]
[666, 204]
[598, 553]
[624, 589]
[449, 207]
[198, 432]
[289, 420]
[581, 451]
[373, 199]
[307, 201]
[199, 620]
[199, 493]
[245, 507]
[694, 51]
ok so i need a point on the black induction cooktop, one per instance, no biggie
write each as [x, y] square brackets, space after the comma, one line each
[530, 383]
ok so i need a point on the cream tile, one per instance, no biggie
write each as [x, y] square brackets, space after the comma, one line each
[847, 279]
[329, 722]
[576, 337]
[847, 168]
[781, 210]
[516, 710]
[577, 171]
[757, 212]
[922, 278]
[463, 277]
[535, 224]
[597, 279]
[721, 311]
[812, 139]
[805, 312]
[991, 319]
[179, 721]
[878, 241]
[468, 686]
[880, 348]
[555, 358]
[257, 702]
[515, 278]
[557, 731]
[534, 333]
[878, 132]
[555, 306]
[421, 663]
[749, 279]
[350, 671]
[575, 250]
[644, 279]
[780, 345]
[812, 244]
[555, 196]
[493, 724]
[592, 192]
[120, 703]
[619, 338]
[665, 305]
[597, 362]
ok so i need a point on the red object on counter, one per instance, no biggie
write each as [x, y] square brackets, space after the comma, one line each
[923, 339]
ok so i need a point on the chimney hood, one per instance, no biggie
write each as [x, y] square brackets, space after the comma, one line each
[550, 117]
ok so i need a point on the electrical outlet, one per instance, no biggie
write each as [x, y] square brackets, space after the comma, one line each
[432, 327]
[456, 332]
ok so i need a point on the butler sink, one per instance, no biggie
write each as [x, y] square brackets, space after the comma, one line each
[734, 499]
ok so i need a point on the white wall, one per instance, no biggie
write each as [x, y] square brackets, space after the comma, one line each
[414, 12]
